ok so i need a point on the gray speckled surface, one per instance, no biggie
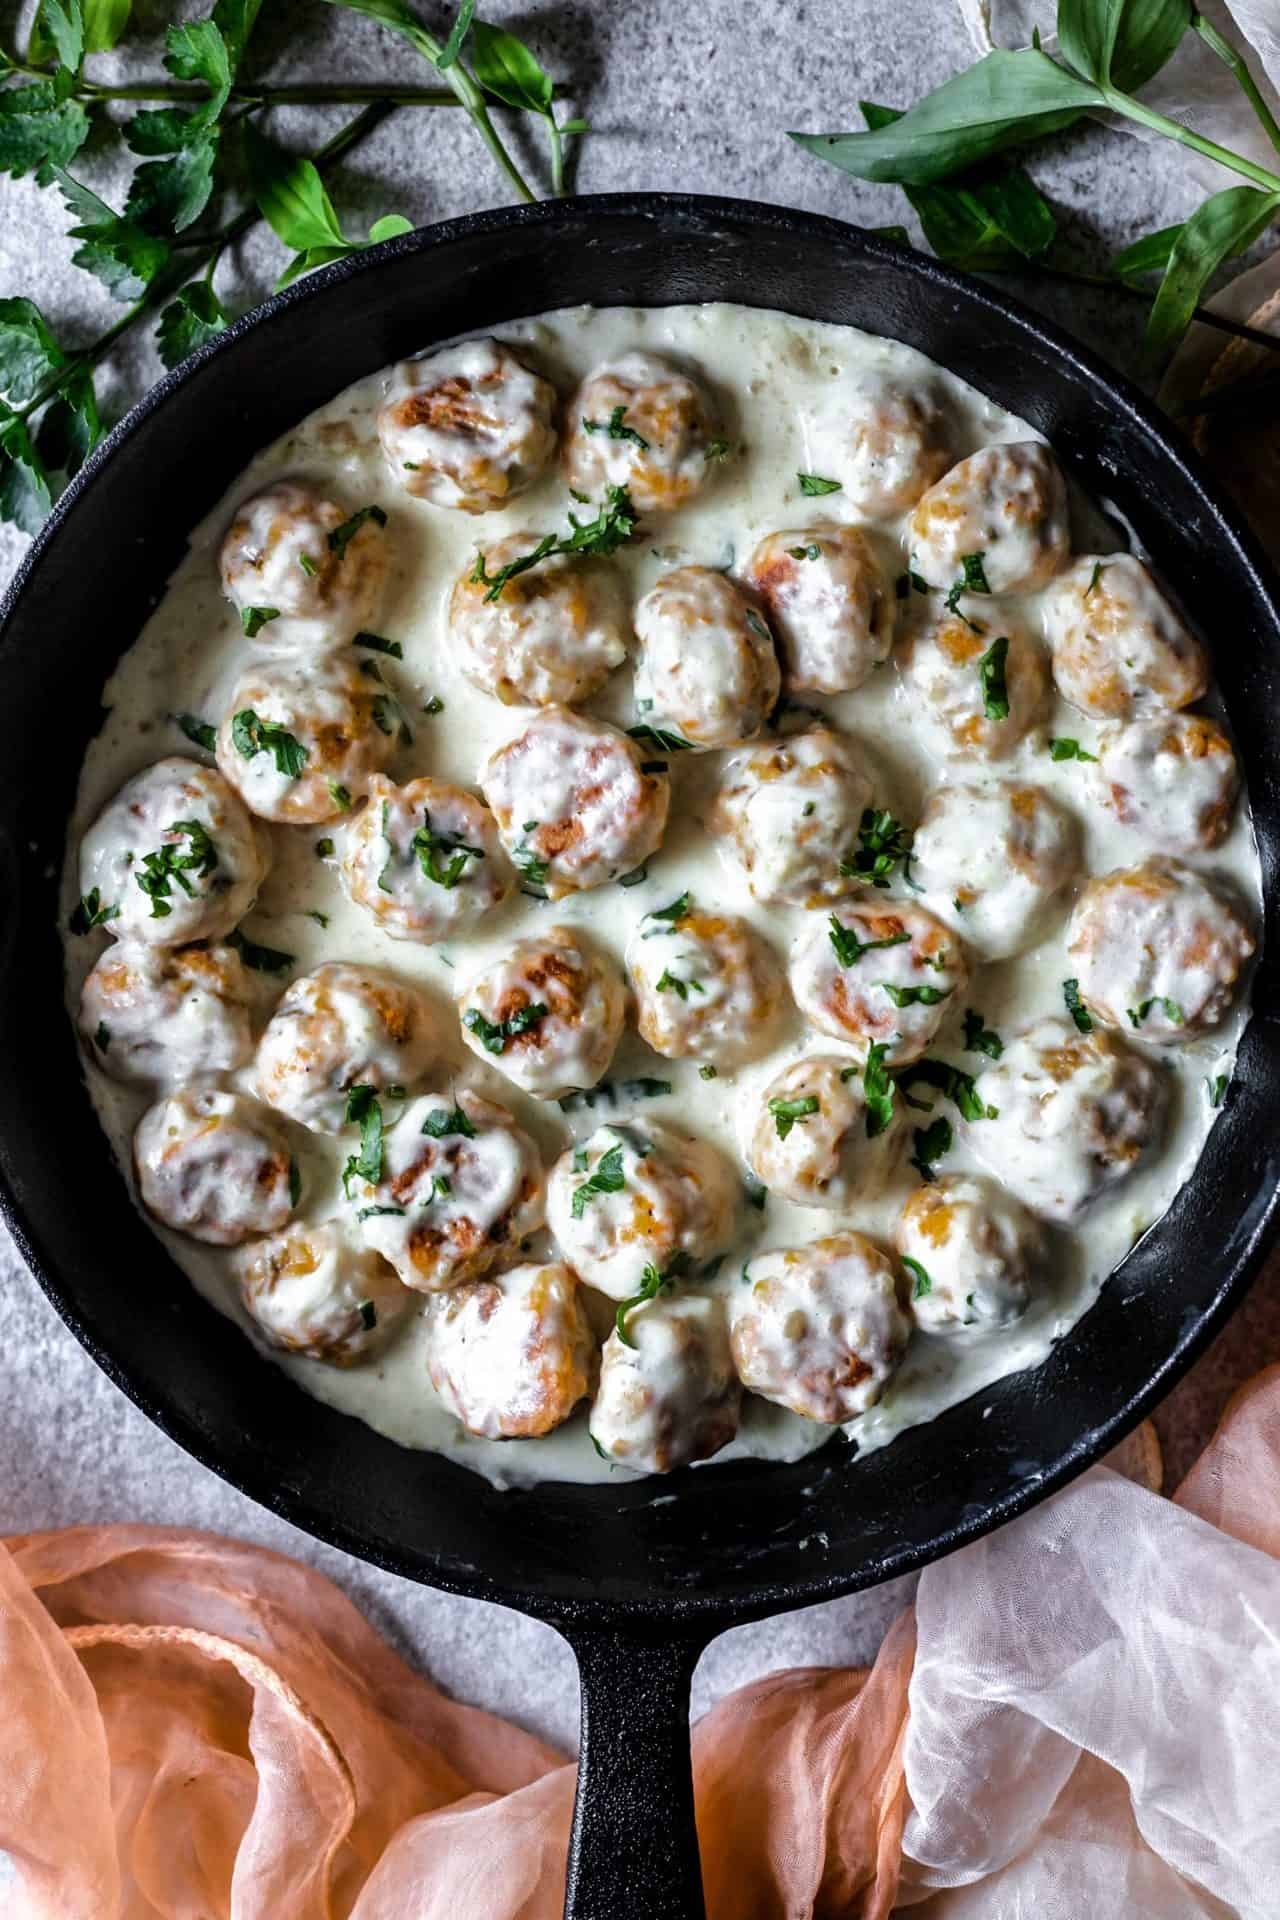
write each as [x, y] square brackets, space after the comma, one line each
[681, 98]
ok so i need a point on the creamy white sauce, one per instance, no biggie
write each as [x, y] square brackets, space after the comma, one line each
[777, 382]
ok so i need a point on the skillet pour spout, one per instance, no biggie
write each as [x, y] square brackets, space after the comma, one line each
[637, 1575]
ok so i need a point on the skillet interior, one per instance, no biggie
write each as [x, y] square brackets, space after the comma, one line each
[737, 1539]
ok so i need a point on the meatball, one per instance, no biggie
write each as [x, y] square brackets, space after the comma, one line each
[831, 609]
[548, 1013]
[552, 635]
[1158, 948]
[310, 1290]
[668, 1394]
[573, 803]
[459, 1186]
[214, 1165]
[341, 1027]
[469, 427]
[991, 859]
[970, 1250]
[706, 664]
[884, 441]
[790, 810]
[964, 675]
[1065, 1115]
[819, 1329]
[1172, 778]
[995, 523]
[640, 423]
[300, 739]
[167, 1013]
[877, 972]
[1119, 649]
[808, 1136]
[424, 859]
[303, 572]
[511, 1356]
[707, 986]
[638, 1196]
[173, 858]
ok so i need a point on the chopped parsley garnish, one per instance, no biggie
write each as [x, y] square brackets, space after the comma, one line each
[614, 429]
[341, 537]
[324, 849]
[442, 856]
[261, 959]
[787, 1112]
[1075, 1006]
[973, 579]
[254, 619]
[652, 1283]
[532, 870]
[197, 730]
[607, 1178]
[991, 674]
[1062, 747]
[373, 1213]
[979, 1038]
[613, 526]
[660, 737]
[883, 842]
[168, 863]
[1217, 1089]
[441, 1122]
[915, 996]
[706, 1073]
[321, 919]
[717, 450]
[920, 1275]
[958, 1087]
[877, 1089]
[364, 1111]
[102, 1036]
[251, 736]
[636, 877]
[434, 705]
[1094, 578]
[930, 1144]
[1172, 1011]
[388, 716]
[643, 1088]
[376, 644]
[814, 485]
[812, 552]
[673, 914]
[849, 949]
[89, 912]
[368, 1315]
[910, 582]
[340, 795]
[668, 982]
[308, 565]
[494, 1035]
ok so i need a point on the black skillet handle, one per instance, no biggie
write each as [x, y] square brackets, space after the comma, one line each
[633, 1854]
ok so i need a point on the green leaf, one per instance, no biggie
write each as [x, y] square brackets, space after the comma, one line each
[1226, 224]
[235, 21]
[457, 34]
[25, 498]
[980, 221]
[390, 225]
[1122, 43]
[173, 193]
[63, 22]
[1006, 100]
[71, 427]
[28, 350]
[401, 19]
[190, 321]
[104, 23]
[508, 71]
[291, 196]
[308, 262]
[196, 50]
[37, 129]
[1150, 254]
[118, 252]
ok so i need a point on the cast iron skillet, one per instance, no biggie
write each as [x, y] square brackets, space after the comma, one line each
[636, 1580]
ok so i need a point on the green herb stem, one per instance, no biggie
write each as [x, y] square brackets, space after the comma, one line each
[1125, 103]
[1239, 67]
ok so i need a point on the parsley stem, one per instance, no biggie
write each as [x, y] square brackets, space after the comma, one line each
[1173, 130]
[557, 157]
[1239, 67]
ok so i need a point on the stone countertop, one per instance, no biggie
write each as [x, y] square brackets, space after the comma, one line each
[683, 99]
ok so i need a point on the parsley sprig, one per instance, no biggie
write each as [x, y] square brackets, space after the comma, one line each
[849, 949]
[653, 1281]
[493, 1035]
[612, 527]
[251, 736]
[156, 872]
[883, 845]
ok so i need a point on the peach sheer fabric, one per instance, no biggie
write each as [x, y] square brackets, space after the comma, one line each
[1081, 1717]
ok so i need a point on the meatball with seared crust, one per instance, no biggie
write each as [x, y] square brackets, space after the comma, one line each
[1120, 651]
[634, 1196]
[995, 523]
[790, 811]
[877, 972]
[573, 803]
[424, 860]
[1063, 1115]
[809, 1137]
[167, 1013]
[312, 1290]
[884, 440]
[172, 858]
[549, 636]
[707, 986]
[819, 1329]
[300, 740]
[982, 685]
[1172, 778]
[831, 609]
[459, 1186]
[469, 427]
[638, 422]
[343, 1026]
[991, 860]
[548, 1013]
[511, 1355]
[668, 1394]
[971, 1252]
[304, 574]
[215, 1166]
[706, 665]
[1159, 949]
